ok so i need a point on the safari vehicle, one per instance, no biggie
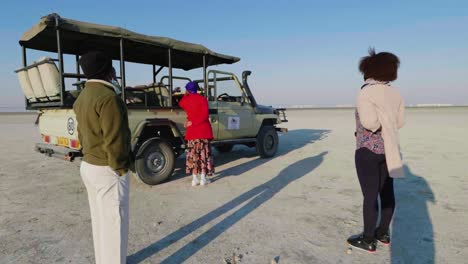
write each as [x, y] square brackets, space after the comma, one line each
[155, 119]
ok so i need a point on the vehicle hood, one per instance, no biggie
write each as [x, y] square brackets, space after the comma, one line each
[264, 110]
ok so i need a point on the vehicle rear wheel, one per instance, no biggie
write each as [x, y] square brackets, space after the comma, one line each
[267, 142]
[156, 162]
[224, 148]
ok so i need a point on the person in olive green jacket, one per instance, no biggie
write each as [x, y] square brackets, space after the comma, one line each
[104, 133]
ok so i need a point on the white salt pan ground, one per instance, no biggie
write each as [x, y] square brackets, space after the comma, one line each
[298, 207]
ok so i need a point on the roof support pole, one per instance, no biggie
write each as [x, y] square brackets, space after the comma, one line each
[155, 74]
[122, 68]
[25, 64]
[25, 61]
[205, 80]
[77, 59]
[60, 58]
[170, 76]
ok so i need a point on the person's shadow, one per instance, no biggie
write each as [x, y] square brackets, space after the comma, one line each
[288, 142]
[412, 231]
[257, 196]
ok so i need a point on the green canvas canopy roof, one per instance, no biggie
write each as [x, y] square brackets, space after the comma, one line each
[79, 37]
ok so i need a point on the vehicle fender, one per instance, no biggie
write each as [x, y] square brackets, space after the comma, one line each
[151, 129]
[270, 121]
[143, 146]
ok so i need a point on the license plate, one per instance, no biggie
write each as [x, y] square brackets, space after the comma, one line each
[62, 141]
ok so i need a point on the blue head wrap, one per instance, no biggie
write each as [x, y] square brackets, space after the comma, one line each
[192, 87]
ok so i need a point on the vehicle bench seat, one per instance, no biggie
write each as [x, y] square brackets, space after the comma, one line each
[40, 81]
[159, 94]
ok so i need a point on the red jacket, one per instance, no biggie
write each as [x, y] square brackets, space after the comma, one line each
[196, 107]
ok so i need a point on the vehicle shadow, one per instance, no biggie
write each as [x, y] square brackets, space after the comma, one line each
[257, 196]
[412, 230]
[290, 141]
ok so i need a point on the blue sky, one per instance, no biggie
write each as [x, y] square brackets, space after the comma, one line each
[300, 52]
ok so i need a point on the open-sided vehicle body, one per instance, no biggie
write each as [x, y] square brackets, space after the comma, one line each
[155, 119]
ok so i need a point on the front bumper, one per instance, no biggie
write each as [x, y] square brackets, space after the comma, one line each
[282, 130]
[281, 112]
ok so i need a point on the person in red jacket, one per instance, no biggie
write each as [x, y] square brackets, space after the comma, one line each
[198, 135]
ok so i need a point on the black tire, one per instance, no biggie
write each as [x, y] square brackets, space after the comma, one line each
[156, 162]
[224, 148]
[267, 142]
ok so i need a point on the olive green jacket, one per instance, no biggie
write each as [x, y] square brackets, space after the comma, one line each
[103, 128]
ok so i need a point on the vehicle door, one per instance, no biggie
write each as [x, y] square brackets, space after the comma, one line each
[235, 113]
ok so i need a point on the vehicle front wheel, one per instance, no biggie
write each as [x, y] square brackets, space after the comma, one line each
[267, 142]
[156, 162]
[224, 148]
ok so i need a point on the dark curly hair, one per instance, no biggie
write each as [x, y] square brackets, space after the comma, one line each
[382, 66]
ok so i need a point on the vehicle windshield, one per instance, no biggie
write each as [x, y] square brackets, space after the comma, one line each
[224, 87]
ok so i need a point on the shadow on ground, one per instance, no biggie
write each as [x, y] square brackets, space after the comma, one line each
[290, 141]
[412, 231]
[254, 198]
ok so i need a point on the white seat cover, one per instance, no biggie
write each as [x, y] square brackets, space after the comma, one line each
[25, 84]
[161, 92]
[50, 78]
[36, 84]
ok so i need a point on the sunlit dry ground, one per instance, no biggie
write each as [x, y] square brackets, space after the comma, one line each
[298, 207]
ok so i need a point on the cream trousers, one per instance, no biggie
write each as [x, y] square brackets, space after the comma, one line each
[108, 195]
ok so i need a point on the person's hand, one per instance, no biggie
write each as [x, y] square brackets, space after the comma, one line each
[187, 123]
[121, 172]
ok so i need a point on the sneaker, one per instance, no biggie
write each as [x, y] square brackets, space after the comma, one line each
[359, 243]
[204, 181]
[195, 182]
[383, 238]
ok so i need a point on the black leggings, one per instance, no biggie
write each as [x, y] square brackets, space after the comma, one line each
[374, 180]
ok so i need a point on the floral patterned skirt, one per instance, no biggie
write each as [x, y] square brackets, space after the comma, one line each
[199, 158]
